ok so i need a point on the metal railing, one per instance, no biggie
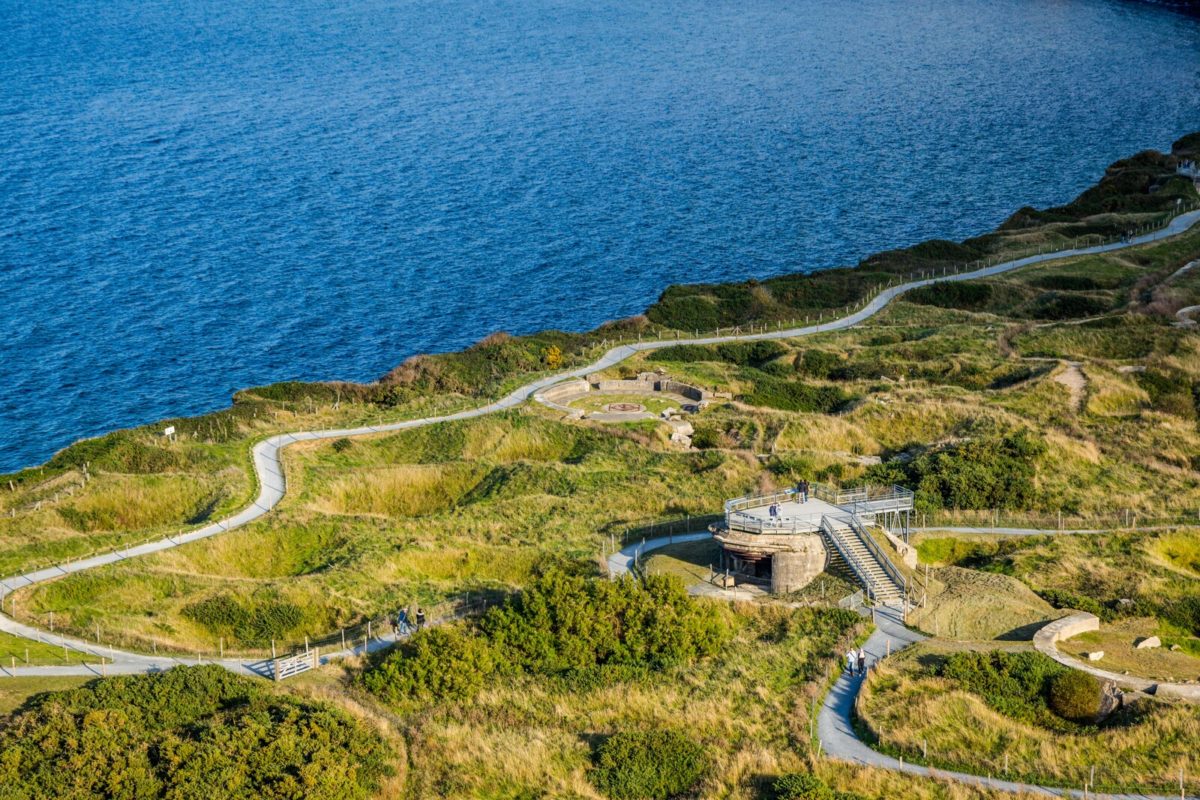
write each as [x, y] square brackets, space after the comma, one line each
[862, 499]
[852, 561]
[746, 523]
[886, 563]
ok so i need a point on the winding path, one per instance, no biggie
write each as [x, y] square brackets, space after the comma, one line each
[835, 727]
[268, 463]
[836, 734]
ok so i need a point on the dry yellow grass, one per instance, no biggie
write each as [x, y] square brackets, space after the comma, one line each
[980, 605]
[1117, 641]
[825, 433]
[404, 490]
[1111, 394]
[910, 710]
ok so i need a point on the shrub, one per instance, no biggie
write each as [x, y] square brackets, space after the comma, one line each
[1069, 283]
[1068, 306]
[990, 470]
[960, 295]
[817, 363]
[773, 392]
[1184, 612]
[706, 438]
[1075, 696]
[186, 732]
[225, 616]
[443, 663]
[648, 765]
[1063, 599]
[801, 786]
[740, 353]
[342, 445]
[563, 624]
[1015, 684]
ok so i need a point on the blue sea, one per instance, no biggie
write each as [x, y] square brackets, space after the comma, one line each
[203, 195]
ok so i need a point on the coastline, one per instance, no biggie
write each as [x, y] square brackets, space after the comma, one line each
[848, 286]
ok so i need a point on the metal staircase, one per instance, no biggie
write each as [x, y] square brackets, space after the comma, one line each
[846, 535]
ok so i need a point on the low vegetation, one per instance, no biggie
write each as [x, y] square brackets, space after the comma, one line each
[188, 732]
[1006, 714]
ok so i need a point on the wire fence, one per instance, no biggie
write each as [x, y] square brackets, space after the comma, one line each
[821, 316]
[1115, 521]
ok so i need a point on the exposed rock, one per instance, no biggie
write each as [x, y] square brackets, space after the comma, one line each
[1175, 648]
[1111, 699]
[1095, 655]
[1148, 643]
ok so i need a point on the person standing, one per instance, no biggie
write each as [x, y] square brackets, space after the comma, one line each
[862, 661]
[851, 660]
[420, 618]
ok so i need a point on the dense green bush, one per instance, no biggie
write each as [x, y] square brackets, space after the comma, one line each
[1183, 612]
[741, 353]
[803, 786]
[447, 662]
[189, 732]
[790, 395]
[1171, 392]
[969, 296]
[578, 628]
[565, 623]
[1068, 283]
[706, 438]
[225, 616]
[1054, 305]
[817, 363]
[1075, 695]
[988, 470]
[1015, 684]
[648, 765]
[1064, 599]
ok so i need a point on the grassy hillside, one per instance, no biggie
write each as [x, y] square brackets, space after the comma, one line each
[1061, 394]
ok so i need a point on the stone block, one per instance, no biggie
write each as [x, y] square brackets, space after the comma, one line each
[1148, 643]
[1095, 655]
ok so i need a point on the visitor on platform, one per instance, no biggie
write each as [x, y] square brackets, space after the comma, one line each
[420, 618]
[802, 490]
[851, 660]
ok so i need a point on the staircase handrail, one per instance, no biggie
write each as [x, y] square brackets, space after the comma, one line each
[849, 557]
[867, 539]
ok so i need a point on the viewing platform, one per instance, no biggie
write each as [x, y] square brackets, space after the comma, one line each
[791, 536]
[794, 514]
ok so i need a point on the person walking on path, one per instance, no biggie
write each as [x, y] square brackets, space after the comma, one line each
[420, 618]
[402, 622]
[851, 660]
[862, 661]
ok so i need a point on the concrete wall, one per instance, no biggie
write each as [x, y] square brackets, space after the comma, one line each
[908, 553]
[792, 570]
[1045, 641]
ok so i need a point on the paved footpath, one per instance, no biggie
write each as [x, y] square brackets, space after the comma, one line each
[268, 465]
[835, 728]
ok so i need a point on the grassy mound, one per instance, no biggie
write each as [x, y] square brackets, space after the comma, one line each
[981, 605]
[993, 720]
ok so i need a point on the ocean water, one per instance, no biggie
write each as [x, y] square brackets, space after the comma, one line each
[203, 195]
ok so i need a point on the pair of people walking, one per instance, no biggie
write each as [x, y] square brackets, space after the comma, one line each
[857, 660]
[802, 490]
[404, 622]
